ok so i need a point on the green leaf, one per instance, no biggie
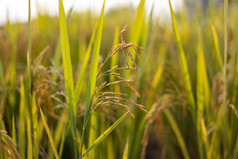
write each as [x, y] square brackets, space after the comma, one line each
[125, 153]
[59, 131]
[49, 134]
[23, 108]
[200, 96]
[57, 53]
[79, 84]
[183, 63]
[93, 72]
[94, 127]
[217, 46]
[177, 133]
[68, 74]
[35, 127]
[2, 79]
[157, 76]
[14, 130]
[29, 140]
[136, 31]
[104, 135]
[114, 59]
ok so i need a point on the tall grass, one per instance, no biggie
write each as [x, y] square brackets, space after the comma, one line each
[69, 88]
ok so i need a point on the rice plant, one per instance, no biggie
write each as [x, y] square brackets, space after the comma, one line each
[84, 85]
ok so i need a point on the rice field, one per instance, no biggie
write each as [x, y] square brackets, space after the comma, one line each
[80, 85]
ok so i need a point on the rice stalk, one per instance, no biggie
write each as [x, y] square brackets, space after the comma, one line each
[93, 73]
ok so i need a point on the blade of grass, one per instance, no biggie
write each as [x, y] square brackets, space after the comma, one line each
[235, 84]
[93, 132]
[93, 72]
[214, 150]
[12, 32]
[235, 153]
[157, 77]
[110, 148]
[49, 134]
[233, 62]
[65, 134]
[203, 67]
[35, 127]
[14, 138]
[58, 131]
[69, 84]
[183, 63]
[125, 153]
[114, 59]
[205, 136]
[22, 119]
[145, 40]
[136, 30]
[29, 140]
[200, 98]
[145, 37]
[2, 79]
[225, 120]
[79, 84]
[79, 141]
[217, 46]
[138, 23]
[177, 133]
[104, 135]
[57, 53]
[29, 53]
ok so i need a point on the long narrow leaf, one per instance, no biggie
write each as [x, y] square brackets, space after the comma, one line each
[93, 132]
[217, 46]
[49, 134]
[79, 84]
[57, 53]
[105, 134]
[177, 133]
[93, 72]
[58, 133]
[183, 62]
[14, 138]
[69, 83]
[12, 32]
[2, 79]
[200, 97]
[157, 77]
[136, 30]
[22, 119]
[35, 127]
[114, 59]
[29, 140]
[125, 153]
